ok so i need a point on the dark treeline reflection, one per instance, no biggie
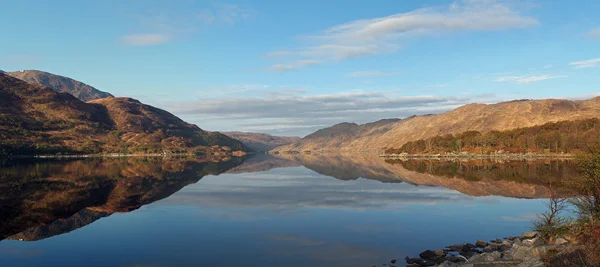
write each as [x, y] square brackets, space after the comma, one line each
[43, 198]
[549, 172]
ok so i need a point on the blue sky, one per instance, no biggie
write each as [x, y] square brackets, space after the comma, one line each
[291, 67]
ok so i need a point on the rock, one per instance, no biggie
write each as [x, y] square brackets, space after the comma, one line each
[481, 244]
[504, 248]
[490, 248]
[517, 242]
[427, 254]
[560, 241]
[455, 259]
[529, 235]
[486, 257]
[534, 242]
[507, 243]
[511, 238]
[393, 261]
[532, 263]
[468, 254]
[468, 247]
[496, 241]
[449, 264]
[458, 247]
[440, 252]
[537, 252]
[517, 253]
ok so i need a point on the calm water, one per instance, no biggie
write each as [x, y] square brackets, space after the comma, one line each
[304, 210]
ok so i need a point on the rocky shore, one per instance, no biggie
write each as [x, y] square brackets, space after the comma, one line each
[525, 250]
[478, 156]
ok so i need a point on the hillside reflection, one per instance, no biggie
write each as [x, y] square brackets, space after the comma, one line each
[44, 198]
[40, 199]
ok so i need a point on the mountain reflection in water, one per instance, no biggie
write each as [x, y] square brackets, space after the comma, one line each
[47, 198]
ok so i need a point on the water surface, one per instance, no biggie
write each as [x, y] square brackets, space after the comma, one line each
[294, 210]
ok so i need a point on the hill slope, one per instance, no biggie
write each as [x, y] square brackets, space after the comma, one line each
[377, 137]
[260, 141]
[60, 84]
[36, 119]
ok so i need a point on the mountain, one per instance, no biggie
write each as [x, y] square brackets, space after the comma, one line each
[36, 119]
[378, 136]
[60, 84]
[260, 141]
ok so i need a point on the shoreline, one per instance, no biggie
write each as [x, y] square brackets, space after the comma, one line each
[526, 250]
[478, 156]
[111, 155]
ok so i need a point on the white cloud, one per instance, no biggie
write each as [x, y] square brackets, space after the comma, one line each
[145, 39]
[165, 24]
[386, 34]
[528, 79]
[298, 64]
[370, 74]
[295, 113]
[590, 63]
[594, 33]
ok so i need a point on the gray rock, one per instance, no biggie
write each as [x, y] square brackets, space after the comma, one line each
[529, 235]
[517, 253]
[486, 257]
[560, 241]
[428, 254]
[532, 263]
[534, 242]
[504, 248]
[457, 247]
[490, 248]
[481, 244]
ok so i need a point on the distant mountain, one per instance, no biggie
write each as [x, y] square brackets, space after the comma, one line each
[60, 84]
[261, 141]
[36, 119]
[378, 136]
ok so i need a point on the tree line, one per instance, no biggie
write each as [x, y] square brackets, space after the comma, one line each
[557, 137]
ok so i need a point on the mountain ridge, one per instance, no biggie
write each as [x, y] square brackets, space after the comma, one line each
[261, 141]
[59, 83]
[36, 119]
[375, 138]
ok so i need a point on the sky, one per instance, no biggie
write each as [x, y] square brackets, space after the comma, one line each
[292, 67]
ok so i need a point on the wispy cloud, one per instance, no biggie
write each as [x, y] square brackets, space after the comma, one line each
[145, 39]
[590, 63]
[370, 74]
[594, 33]
[286, 112]
[387, 34]
[528, 79]
[297, 65]
[164, 25]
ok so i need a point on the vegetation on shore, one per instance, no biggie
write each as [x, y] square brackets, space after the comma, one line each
[564, 137]
[584, 227]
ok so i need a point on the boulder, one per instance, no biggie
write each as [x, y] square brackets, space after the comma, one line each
[511, 238]
[490, 248]
[427, 254]
[486, 257]
[560, 241]
[532, 263]
[534, 242]
[468, 254]
[440, 252]
[481, 244]
[507, 243]
[517, 253]
[457, 247]
[504, 248]
[528, 235]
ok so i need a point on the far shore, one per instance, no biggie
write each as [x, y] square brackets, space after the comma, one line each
[114, 155]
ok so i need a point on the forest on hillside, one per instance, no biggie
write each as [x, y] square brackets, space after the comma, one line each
[558, 137]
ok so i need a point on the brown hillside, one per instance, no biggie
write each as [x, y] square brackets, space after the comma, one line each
[261, 141]
[36, 119]
[473, 117]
